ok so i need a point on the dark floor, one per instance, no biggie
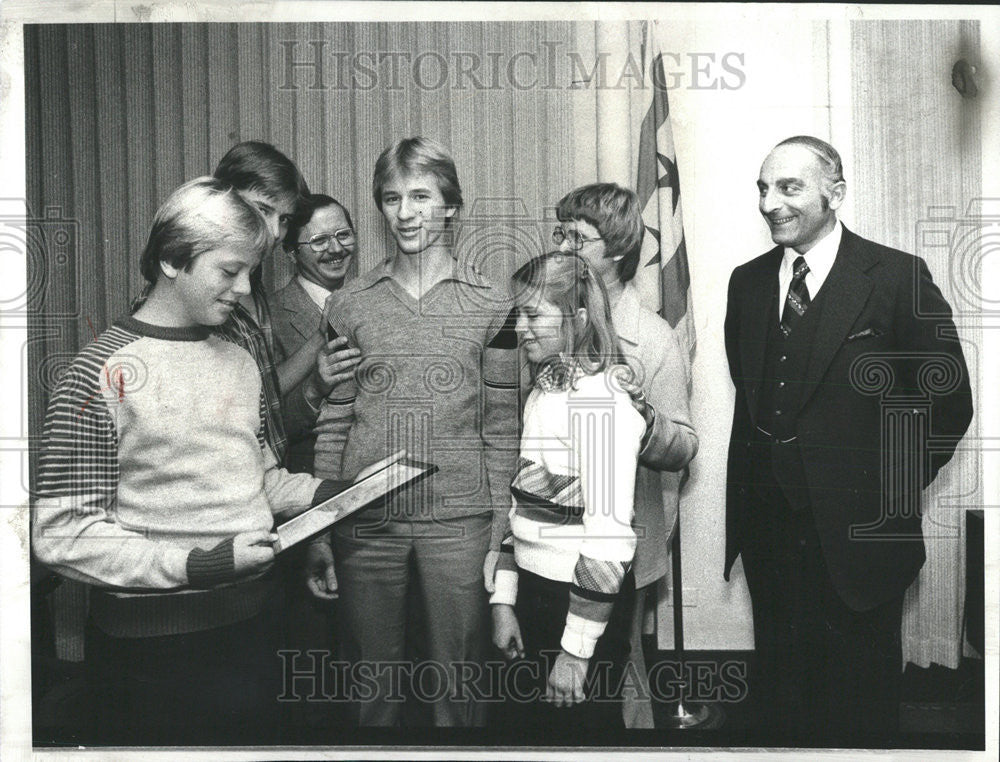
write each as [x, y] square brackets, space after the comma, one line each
[941, 709]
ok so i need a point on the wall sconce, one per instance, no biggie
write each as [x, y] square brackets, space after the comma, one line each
[963, 78]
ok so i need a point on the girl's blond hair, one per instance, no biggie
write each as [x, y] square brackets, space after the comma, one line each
[566, 281]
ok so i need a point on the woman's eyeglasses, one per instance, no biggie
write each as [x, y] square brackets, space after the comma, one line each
[344, 236]
[575, 240]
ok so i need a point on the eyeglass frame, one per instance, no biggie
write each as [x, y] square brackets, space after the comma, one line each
[335, 235]
[559, 235]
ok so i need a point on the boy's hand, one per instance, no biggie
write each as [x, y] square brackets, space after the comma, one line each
[321, 578]
[566, 680]
[253, 552]
[507, 631]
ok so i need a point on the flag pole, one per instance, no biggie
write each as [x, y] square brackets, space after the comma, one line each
[686, 715]
[658, 189]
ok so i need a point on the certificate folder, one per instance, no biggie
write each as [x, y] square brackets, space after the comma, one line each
[398, 472]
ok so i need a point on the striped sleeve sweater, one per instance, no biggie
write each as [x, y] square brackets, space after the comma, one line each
[154, 458]
[571, 514]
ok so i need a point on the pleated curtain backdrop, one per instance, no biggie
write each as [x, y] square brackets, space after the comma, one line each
[120, 115]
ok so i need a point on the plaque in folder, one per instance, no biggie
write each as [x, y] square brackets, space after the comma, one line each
[398, 472]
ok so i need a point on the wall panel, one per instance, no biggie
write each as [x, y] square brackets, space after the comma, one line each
[918, 159]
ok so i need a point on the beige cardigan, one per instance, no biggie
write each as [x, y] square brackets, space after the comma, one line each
[653, 352]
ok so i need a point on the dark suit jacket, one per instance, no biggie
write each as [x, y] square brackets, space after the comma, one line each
[294, 318]
[885, 341]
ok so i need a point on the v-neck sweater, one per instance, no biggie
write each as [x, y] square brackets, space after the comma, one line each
[438, 376]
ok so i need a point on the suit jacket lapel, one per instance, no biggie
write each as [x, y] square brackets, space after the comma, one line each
[847, 289]
[762, 284]
[303, 313]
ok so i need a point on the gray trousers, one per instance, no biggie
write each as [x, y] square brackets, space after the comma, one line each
[378, 564]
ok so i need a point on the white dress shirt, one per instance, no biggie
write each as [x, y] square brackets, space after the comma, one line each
[820, 260]
[315, 292]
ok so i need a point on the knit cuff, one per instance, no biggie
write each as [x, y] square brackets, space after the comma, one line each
[580, 636]
[506, 561]
[209, 568]
[327, 489]
[505, 581]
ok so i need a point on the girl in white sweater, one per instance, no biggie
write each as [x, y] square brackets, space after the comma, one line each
[562, 599]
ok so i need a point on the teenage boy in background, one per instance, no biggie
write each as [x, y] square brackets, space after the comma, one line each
[270, 181]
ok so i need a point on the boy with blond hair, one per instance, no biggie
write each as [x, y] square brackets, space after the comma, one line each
[158, 488]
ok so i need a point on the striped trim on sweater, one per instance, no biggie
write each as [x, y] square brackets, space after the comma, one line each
[154, 458]
[81, 456]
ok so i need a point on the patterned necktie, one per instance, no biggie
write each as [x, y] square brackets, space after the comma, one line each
[797, 300]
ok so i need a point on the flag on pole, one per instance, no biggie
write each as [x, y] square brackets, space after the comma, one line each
[663, 277]
[663, 282]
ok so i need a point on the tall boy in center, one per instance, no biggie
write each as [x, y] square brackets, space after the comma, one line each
[438, 376]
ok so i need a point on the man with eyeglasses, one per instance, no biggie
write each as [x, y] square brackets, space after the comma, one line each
[322, 244]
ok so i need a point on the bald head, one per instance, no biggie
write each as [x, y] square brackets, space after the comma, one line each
[826, 154]
[801, 186]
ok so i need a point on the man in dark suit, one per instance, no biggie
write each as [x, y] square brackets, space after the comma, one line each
[846, 363]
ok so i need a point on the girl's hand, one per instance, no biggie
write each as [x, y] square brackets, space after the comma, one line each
[629, 384]
[507, 631]
[566, 680]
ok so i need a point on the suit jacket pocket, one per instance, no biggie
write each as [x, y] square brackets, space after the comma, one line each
[868, 333]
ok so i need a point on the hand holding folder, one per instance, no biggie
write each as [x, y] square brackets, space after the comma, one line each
[374, 482]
